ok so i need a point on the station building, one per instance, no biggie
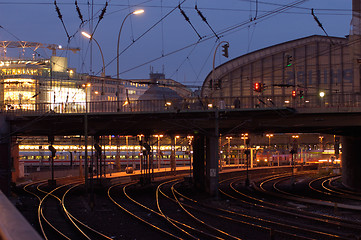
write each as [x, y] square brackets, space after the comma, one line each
[31, 82]
[293, 72]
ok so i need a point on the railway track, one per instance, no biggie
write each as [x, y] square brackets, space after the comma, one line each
[54, 220]
[173, 209]
[320, 211]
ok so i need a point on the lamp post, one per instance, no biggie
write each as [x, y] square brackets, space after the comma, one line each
[136, 12]
[269, 135]
[293, 151]
[321, 141]
[158, 150]
[86, 86]
[322, 95]
[190, 142]
[247, 152]
[269, 139]
[229, 149]
[101, 52]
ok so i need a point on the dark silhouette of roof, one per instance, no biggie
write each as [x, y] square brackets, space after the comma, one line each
[160, 93]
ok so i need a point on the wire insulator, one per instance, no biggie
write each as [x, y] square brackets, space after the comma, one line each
[200, 14]
[58, 11]
[103, 11]
[79, 13]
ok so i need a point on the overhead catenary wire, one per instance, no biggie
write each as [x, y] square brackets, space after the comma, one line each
[205, 20]
[80, 15]
[60, 16]
[143, 34]
[228, 30]
[320, 24]
[189, 21]
[256, 14]
[101, 16]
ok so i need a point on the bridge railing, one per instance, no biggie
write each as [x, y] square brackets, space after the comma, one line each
[189, 104]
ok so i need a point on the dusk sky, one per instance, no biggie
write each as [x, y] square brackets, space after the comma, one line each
[172, 43]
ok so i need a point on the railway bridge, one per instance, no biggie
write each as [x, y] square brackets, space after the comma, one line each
[204, 120]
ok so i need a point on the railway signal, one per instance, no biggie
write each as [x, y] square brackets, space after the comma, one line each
[289, 60]
[258, 87]
[301, 94]
[225, 50]
[294, 94]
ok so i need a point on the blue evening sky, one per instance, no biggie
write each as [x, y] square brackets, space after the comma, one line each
[170, 44]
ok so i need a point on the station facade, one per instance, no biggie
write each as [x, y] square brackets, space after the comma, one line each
[294, 72]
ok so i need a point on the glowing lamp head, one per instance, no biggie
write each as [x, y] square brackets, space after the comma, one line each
[87, 35]
[139, 11]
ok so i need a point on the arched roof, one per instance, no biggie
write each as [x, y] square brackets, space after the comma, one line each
[240, 61]
[159, 93]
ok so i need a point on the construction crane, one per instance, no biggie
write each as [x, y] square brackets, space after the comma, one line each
[34, 45]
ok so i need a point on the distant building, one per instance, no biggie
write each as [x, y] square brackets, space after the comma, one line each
[303, 67]
[28, 82]
[311, 70]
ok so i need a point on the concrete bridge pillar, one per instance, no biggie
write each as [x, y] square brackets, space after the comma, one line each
[351, 162]
[199, 162]
[212, 165]
[205, 164]
[5, 156]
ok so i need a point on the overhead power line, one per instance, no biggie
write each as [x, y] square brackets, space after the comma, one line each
[205, 20]
[227, 30]
[79, 12]
[188, 20]
[61, 19]
[320, 25]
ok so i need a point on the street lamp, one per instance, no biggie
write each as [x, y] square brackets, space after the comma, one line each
[294, 151]
[158, 150]
[136, 12]
[229, 149]
[92, 38]
[322, 95]
[247, 152]
[190, 142]
[269, 139]
[269, 135]
[321, 141]
[86, 86]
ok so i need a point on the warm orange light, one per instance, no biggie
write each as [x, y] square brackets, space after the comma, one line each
[87, 35]
[140, 11]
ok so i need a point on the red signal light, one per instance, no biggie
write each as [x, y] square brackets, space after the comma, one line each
[294, 94]
[258, 87]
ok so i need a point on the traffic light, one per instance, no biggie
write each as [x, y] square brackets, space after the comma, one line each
[258, 87]
[289, 61]
[294, 94]
[225, 50]
[301, 94]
